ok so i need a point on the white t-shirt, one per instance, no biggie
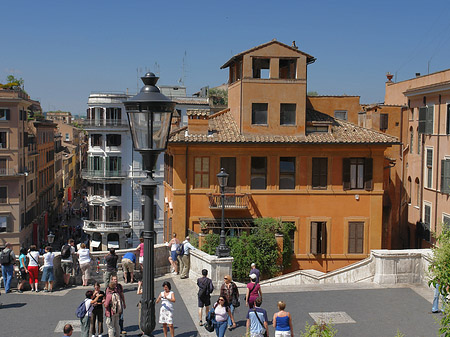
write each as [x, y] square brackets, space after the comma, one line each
[174, 246]
[72, 251]
[89, 307]
[48, 259]
[83, 256]
[33, 259]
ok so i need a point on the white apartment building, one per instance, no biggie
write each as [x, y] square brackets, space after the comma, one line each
[113, 175]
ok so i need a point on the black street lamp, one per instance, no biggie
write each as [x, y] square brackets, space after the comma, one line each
[222, 249]
[149, 115]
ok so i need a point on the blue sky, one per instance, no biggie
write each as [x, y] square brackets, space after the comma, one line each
[65, 50]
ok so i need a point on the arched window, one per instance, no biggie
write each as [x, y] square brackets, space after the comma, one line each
[411, 141]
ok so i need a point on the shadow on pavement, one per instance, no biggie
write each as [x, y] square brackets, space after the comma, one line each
[12, 305]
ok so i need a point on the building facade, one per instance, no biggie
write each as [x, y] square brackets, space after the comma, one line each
[427, 149]
[113, 174]
[285, 160]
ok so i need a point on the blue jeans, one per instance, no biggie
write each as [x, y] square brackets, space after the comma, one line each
[7, 273]
[230, 323]
[221, 327]
[435, 306]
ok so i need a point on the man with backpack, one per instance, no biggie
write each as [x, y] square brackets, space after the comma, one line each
[114, 305]
[205, 289]
[67, 252]
[84, 312]
[183, 252]
[7, 260]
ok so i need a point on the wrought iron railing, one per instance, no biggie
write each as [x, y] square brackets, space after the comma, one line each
[231, 201]
[105, 122]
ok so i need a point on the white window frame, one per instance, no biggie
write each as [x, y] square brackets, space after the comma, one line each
[429, 184]
[5, 108]
[447, 216]
[427, 203]
[346, 114]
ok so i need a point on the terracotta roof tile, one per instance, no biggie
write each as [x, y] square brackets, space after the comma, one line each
[223, 129]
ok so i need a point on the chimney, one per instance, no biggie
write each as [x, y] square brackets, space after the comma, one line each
[198, 122]
[389, 76]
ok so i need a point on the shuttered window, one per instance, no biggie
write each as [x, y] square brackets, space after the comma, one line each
[384, 121]
[201, 172]
[427, 215]
[429, 168]
[356, 237]
[445, 176]
[445, 222]
[426, 120]
[357, 173]
[448, 120]
[318, 237]
[319, 173]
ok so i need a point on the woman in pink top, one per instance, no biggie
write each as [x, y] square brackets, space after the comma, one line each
[140, 249]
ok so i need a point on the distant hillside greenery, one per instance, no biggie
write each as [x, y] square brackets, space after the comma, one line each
[218, 96]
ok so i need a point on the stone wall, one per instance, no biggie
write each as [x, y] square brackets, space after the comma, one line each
[217, 268]
[381, 267]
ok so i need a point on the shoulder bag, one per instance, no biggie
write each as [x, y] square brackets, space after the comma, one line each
[266, 334]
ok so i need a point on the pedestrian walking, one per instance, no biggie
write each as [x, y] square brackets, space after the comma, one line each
[111, 265]
[113, 309]
[67, 252]
[255, 271]
[205, 289]
[437, 294]
[173, 245]
[282, 322]
[185, 262]
[253, 291]
[84, 259]
[86, 319]
[97, 312]
[128, 261]
[140, 250]
[230, 292]
[7, 259]
[33, 267]
[167, 298]
[120, 291]
[257, 322]
[22, 269]
[68, 330]
[222, 315]
[48, 275]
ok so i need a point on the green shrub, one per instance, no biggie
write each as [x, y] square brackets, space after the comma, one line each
[318, 330]
[210, 244]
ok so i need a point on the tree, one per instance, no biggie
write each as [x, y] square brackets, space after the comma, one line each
[218, 96]
[440, 274]
[12, 82]
[312, 93]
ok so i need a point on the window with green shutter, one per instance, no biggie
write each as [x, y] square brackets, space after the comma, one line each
[445, 176]
[426, 120]
[429, 168]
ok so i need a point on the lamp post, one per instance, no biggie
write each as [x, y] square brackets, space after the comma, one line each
[222, 249]
[149, 116]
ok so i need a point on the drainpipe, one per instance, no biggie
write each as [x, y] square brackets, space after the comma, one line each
[437, 167]
[422, 158]
[186, 220]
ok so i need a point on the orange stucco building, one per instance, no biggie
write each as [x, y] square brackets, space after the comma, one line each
[286, 160]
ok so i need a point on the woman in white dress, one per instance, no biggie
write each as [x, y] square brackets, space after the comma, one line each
[167, 298]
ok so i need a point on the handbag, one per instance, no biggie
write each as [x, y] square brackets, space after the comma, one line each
[210, 320]
[266, 334]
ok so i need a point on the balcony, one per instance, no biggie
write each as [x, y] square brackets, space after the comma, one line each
[10, 172]
[231, 201]
[91, 226]
[106, 174]
[107, 124]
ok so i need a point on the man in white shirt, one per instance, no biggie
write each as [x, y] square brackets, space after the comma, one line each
[185, 259]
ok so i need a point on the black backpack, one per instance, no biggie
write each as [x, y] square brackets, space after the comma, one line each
[65, 252]
[6, 258]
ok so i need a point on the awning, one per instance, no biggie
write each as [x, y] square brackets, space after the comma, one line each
[95, 244]
[113, 244]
